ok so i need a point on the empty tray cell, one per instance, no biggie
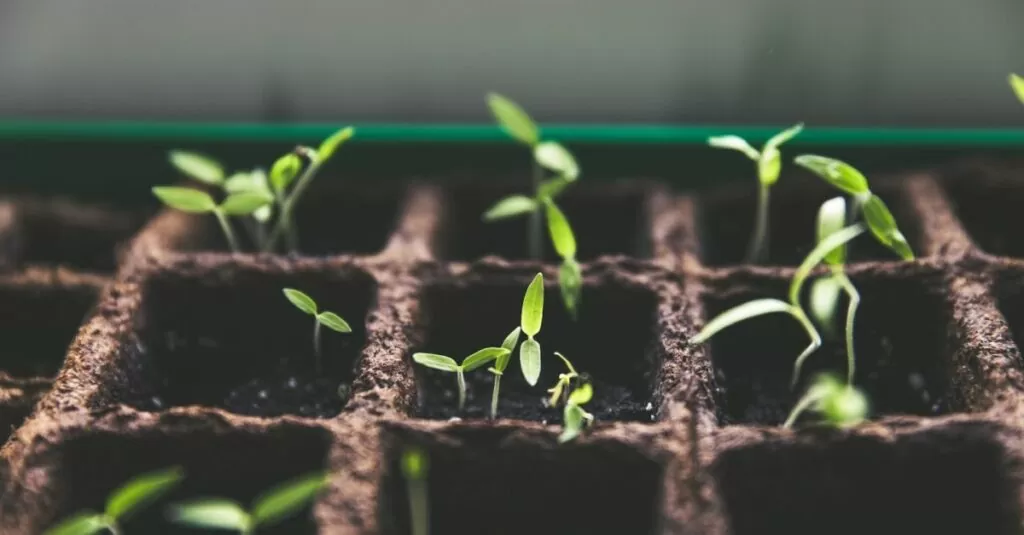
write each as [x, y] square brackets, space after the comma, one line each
[40, 313]
[900, 341]
[607, 220]
[951, 480]
[16, 403]
[226, 336]
[60, 232]
[479, 483]
[234, 465]
[613, 341]
[987, 200]
[727, 223]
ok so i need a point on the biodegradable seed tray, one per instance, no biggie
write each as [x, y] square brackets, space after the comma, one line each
[191, 356]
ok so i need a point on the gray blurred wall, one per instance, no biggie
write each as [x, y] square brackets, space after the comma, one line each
[912, 62]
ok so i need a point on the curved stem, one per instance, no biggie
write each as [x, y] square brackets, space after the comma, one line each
[461, 378]
[805, 402]
[757, 251]
[535, 231]
[851, 314]
[225, 225]
[494, 396]
[316, 344]
[288, 206]
[812, 333]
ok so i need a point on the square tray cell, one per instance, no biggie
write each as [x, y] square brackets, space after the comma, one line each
[482, 484]
[607, 220]
[987, 200]
[225, 336]
[613, 341]
[234, 465]
[900, 343]
[951, 480]
[726, 223]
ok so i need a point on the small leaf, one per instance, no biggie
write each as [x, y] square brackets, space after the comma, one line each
[513, 119]
[501, 363]
[437, 362]
[553, 156]
[769, 166]
[80, 524]
[846, 407]
[287, 499]
[820, 251]
[415, 464]
[284, 171]
[551, 188]
[482, 357]
[838, 173]
[1017, 83]
[185, 199]
[561, 233]
[529, 360]
[512, 339]
[745, 311]
[245, 203]
[831, 219]
[533, 307]
[301, 301]
[214, 514]
[332, 143]
[334, 322]
[140, 491]
[254, 181]
[198, 166]
[883, 226]
[734, 143]
[573, 416]
[784, 136]
[582, 395]
[570, 282]
[511, 206]
[824, 302]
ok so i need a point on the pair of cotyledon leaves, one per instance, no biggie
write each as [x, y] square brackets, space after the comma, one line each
[326, 318]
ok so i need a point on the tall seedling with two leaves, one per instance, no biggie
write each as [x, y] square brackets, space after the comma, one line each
[333, 321]
[121, 504]
[769, 166]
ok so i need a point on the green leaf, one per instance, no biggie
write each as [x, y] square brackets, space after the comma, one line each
[80, 524]
[287, 499]
[820, 251]
[140, 491]
[824, 301]
[551, 188]
[553, 156]
[284, 171]
[582, 395]
[784, 136]
[501, 363]
[769, 166]
[245, 203]
[831, 219]
[482, 357]
[1017, 83]
[511, 206]
[734, 143]
[263, 214]
[561, 233]
[570, 282]
[301, 301]
[883, 226]
[213, 514]
[254, 181]
[513, 119]
[185, 199]
[838, 173]
[529, 360]
[415, 464]
[332, 143]
[745, 311]
[533, 307]
[573, 424]
[334, 322]
[198, 166]
[512, 339]
[437, 362]
[843, 405]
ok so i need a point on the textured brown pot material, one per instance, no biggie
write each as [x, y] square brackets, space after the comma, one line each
[193, 357]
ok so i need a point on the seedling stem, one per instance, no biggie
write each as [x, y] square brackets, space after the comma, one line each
[415, 467]
[333, 321]
[758, 248]
[228, 233]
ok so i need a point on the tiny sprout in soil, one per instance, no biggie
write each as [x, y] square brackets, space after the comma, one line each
[252, 193]
[561, 388]
[414, 468]
[839, 404]
[500, 364]
[574, 415]
[470, 363]
[530, 322]
[130, 497]
[769, 166]
[268, 509]
[333, 321]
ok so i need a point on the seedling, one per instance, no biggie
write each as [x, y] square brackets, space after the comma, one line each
[530, 321]
[267, 509]
[769, 165]
[561, 388]
[470, 363]
[546, 155]
[839, 404]
[574, 415]
[121, 504]
[199, 202]
[414, 467]
[500, 364]
[333, 321]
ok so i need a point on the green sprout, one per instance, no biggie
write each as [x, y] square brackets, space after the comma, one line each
[530, 321]
[470, 363]
[561, 388]
[769, 166]
[333, 321]
[121, 504]
[1017, 84]
[199, 202]
[415, 466]
[546, 155]
[574, 415]
[500, 364]
[839, 404]
[267, 509]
